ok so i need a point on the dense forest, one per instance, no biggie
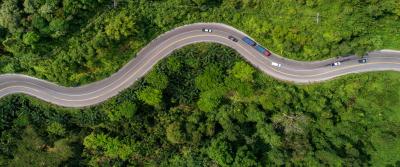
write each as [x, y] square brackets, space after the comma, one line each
[205, 106]
[73, 42]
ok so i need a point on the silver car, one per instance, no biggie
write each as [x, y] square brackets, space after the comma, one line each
[336, 63]
[276, 64]
[207, 30]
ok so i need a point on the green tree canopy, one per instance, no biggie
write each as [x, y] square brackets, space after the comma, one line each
[150, 96]
[123, 24]
[211, 78]
[31, 38]
[242, 71]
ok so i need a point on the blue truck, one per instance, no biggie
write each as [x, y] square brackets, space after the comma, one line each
[249, 41]
[259, 48]
[262, 50]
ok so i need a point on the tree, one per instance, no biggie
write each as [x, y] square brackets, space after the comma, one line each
[150, 96]
[174, 133]
[200, 2]
[126, 110]
[14, 46]
[221, 152]
[33, 151]
[268, 134]
[210, 79]
[244, 158]
[328, 158]
[30, 6]
[31, 38]
[385, 145]
[225, 120]
[56, 128]
[121, 25]
[210, 100]
[173, 64]
[10, 16]
[242, 71]
[111, 147]
[58, 27]
[243, 89]
[39, 23]
[255, 114]
[291, 122]
[157, 80]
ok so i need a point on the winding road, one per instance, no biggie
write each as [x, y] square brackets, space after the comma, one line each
[159, 48]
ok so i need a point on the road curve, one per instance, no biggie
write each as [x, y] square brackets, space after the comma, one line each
[162, 46]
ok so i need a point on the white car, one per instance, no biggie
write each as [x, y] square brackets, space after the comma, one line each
[276, 64]
[207, 30]
[336, 63]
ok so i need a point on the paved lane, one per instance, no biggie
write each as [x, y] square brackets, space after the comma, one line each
[159, 48]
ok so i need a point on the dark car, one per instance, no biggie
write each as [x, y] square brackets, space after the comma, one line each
[362, 60]
[233, 38]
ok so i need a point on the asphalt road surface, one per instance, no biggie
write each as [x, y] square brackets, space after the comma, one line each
[290, 70]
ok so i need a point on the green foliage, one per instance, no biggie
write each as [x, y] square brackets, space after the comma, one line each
[220, 151]
[126, 110]
[173, 64]
[56, 128]
[89, 40]
[58, 28]
[243, 71]
[150, 96]
[240, 117]
[387, 146]
[10, 15]
[157, 80]
[211, 78]
[32, 151]
[121, 25]
[110, 147]
[210, 100]
[245, 158]
[39, 22]
[22, 120]
[174, 134]
[268, 134]
[30, 38]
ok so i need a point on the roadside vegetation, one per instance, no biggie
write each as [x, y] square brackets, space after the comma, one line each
[205, 106]
[77, 42]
